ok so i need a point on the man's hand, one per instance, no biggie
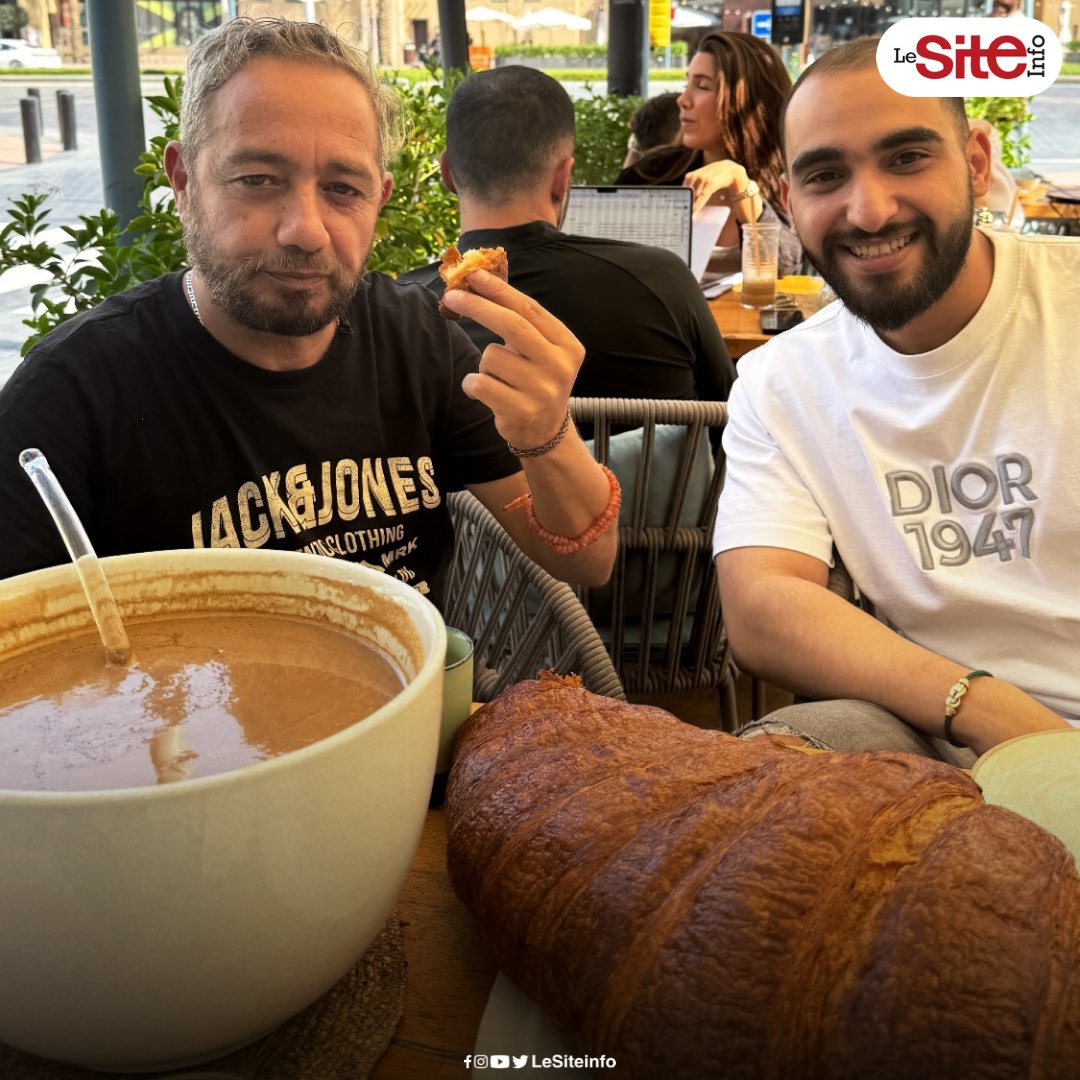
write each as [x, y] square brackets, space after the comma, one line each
[527, 381]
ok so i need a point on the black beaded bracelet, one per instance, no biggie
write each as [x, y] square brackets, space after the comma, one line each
[952, 703]
[544, 448]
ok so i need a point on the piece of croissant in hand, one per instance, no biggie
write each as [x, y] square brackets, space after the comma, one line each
[701, 906]
[456, 268]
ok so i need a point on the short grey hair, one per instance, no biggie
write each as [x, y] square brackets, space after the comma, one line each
[219, 55]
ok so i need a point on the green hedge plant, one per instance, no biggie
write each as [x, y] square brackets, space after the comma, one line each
[420, 219]
[678, 48]
[602, 123]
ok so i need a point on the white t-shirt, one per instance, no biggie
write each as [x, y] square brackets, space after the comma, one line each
[949, 481]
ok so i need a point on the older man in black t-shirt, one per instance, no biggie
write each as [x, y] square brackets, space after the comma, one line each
[275, 395]
[645, 325]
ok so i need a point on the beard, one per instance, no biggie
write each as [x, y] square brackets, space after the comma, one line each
[883, 304]
[230, 284]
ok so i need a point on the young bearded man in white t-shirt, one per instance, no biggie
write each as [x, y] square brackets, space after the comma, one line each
[924, 427]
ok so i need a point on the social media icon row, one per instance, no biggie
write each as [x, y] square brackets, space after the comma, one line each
[497, 1061]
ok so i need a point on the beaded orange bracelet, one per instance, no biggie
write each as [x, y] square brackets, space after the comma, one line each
[567, 545]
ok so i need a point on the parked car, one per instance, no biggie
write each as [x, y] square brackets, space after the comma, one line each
[18, 54]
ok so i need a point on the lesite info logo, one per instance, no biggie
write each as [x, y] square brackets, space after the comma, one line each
[1015, 57]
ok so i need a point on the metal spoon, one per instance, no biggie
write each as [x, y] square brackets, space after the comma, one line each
[98, 594]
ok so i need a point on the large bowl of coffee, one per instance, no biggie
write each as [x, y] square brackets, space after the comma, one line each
[177, 881]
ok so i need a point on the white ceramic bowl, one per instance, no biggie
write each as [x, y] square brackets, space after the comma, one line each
[160, 926]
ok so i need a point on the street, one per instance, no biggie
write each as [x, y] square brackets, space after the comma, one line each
[1055, 132]
[75, 176]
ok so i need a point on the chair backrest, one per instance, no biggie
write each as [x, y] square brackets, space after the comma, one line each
[520, 618]
[660, 615]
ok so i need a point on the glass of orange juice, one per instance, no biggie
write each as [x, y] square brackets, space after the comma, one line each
[805, 292]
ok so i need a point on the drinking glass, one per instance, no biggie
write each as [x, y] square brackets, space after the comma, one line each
[760, 247]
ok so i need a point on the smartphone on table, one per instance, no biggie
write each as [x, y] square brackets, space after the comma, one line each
[775, 320]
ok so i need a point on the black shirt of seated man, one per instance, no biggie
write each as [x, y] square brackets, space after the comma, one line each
[162, 438]
[645, 325]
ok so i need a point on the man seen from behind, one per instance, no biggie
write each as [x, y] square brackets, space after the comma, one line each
[639, 312]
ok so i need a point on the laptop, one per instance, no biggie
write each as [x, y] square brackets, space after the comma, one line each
[660, 216]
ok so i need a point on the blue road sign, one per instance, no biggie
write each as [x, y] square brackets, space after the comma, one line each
[761, 24]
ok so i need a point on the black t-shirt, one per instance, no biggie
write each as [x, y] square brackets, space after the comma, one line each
[645, 325]
[162, 438]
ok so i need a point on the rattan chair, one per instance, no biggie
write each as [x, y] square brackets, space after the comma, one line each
[660, 615]
[520, 618]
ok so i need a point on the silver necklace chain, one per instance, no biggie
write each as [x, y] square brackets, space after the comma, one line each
[343, 322]
[191, 297]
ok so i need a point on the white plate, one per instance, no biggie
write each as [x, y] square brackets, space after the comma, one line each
[1038, 776]
[514, 1026]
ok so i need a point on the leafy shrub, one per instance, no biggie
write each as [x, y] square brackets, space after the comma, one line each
[420, 219]
[602, 122]
[1007, 115]
[12, 19]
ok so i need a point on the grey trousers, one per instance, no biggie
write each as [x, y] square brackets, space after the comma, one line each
[855, 725]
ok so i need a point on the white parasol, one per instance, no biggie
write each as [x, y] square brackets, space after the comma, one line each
[688, 18]
[551, 18]
[486, 15]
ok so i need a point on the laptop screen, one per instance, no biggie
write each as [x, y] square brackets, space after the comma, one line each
[660, 216]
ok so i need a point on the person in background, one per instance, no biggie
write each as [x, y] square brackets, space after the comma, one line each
[655, 123]
[1002, 196]
[641, 315]
[728, 147]
[276, 395]
[922, 429]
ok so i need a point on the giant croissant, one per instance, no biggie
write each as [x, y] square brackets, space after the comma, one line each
[695, 905]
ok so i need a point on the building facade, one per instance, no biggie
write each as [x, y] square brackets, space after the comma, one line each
[401, 32]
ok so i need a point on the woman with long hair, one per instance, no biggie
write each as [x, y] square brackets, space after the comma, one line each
[728, 146]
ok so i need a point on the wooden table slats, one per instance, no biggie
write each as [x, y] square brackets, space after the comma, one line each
[740, 327]
[449, 973]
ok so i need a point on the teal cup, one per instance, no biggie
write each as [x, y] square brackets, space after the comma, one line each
[457, 692]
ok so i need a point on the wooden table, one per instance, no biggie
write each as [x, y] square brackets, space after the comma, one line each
[1042, 208]
[740, 327]
[449, 975]
[1057, 219]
